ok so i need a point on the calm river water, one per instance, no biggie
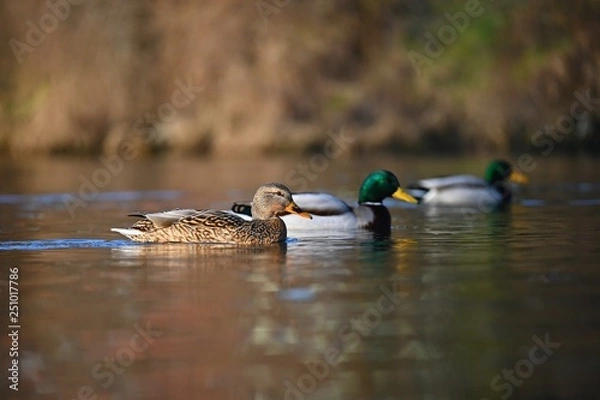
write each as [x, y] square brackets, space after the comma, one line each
[454, 305]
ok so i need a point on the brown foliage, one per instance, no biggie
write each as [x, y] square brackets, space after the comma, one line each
[278, 75]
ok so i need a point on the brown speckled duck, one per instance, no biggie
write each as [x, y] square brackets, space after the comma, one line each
[215, 226]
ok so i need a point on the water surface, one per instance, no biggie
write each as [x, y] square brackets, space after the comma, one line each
[442, 309]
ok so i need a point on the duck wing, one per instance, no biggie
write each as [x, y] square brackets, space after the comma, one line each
[448, 181]
[164, 219]
[211, 219]
[315, 203]
[188, 217]
[424, 189]
[153, 221]
[321, 204]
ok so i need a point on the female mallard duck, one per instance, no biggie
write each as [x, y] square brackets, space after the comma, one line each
[214, 226]
[330, 212]
[490, 192]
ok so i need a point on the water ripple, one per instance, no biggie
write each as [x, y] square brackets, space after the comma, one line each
[53, 244]
[51, 198]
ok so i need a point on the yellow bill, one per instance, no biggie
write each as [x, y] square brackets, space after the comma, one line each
[293, 208]
[400, 194]
[518, 177]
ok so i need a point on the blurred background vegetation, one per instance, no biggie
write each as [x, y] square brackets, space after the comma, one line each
[86, 76]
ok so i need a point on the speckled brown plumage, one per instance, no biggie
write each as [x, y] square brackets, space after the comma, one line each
[214, 226]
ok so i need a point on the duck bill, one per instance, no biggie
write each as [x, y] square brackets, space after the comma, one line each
[518, 177]
[400, 194]
[293, 208]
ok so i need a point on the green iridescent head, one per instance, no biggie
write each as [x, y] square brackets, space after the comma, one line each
[500, 171]
[381, 184]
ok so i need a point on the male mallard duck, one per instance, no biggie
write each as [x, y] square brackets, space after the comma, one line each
[491, 191]
[330, 212]
[214, 226]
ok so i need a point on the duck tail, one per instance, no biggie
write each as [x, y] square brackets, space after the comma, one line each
[127, 232]
[138, 215]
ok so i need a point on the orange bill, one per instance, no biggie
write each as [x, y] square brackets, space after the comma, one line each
[293, 208]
